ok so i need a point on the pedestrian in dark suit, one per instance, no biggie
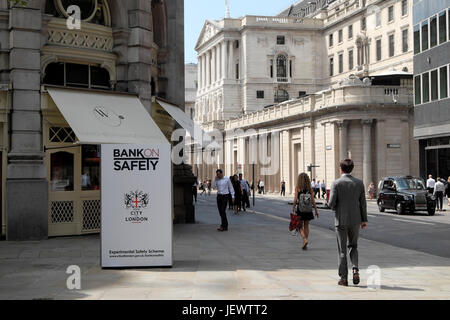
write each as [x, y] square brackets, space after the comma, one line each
[348, 200]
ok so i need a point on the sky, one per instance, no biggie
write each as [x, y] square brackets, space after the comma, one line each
[197, 11]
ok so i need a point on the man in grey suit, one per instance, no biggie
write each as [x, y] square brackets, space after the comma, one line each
[348, 200]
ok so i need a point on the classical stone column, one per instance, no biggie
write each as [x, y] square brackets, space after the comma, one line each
[218, 64]
[367, 151]
[213, 65]
[224, 59]
[199, 72]
[231, 61]
[343, 132]
[208, 68]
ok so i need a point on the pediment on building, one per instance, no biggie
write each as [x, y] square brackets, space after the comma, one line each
[210, 29]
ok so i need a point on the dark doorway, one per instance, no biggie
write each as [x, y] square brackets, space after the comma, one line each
[438, 162]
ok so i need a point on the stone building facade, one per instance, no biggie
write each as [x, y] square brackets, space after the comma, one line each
[122, 46]
[190, 87]
[323, 80]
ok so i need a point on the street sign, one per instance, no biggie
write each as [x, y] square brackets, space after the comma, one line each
[136, 197]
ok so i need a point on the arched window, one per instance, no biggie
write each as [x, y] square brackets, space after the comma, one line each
[77, 75]
[281, 96]
[92, 11]
[281, 66]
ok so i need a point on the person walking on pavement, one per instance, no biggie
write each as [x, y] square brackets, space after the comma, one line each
[208, 185]
[261, 186]
[303, 205]
[439, 189]
[245, 192]
[317, 189]
[323, 187]
[348, 200]
[224, 191]
[230, 200]
[430, 184]
[237, 193]
[371, 190]
[448, 191]
[283, 188]
[203, 188]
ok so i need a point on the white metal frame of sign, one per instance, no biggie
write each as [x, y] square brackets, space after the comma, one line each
[136, 178]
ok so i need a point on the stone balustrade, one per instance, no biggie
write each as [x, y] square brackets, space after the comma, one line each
[344, 96]
[90, 36]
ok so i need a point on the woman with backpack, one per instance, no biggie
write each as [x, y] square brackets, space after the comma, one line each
[303, 205]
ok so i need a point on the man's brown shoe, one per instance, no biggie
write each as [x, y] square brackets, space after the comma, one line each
[355, 276]
[222, 229]
[343, 283]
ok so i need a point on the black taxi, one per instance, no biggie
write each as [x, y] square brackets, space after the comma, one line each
[405, 194]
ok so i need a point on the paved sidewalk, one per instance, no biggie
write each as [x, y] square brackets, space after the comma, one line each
[256, 259]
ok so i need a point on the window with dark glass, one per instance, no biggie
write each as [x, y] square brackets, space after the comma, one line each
[341, 63]
[416, 39]
[271, 68]
[290, 68]
[341, 36]
[425, 35]
[350, 31]
[99, 78]
[331, 40]
[442, 27]
[426, 87]
[443, 74]
[281, 40]
[391, 45]
[391, 13]
[54, 74]
[331, 67]
[405, 45]
[350, 60]
[404, 7]
[281, 66]
[363, 24]
[76, 75]
[260, 94]
[237, 71]
[417, 90]
[433, 31]
[281, 96]
[378, 46]
[61, 171]
[90, 171]
[301, 94]
[434, 85]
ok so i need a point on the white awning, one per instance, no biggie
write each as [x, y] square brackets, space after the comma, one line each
[183, 119]
[106, 118]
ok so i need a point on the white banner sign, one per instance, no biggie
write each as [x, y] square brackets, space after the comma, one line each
[136, 195]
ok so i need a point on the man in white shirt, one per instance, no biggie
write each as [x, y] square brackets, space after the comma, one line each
[224, 190]
[439, 189]
[261, 186]
[430, 184]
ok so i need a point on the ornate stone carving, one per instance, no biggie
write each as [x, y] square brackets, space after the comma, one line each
[209, 32]
[90, 36]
